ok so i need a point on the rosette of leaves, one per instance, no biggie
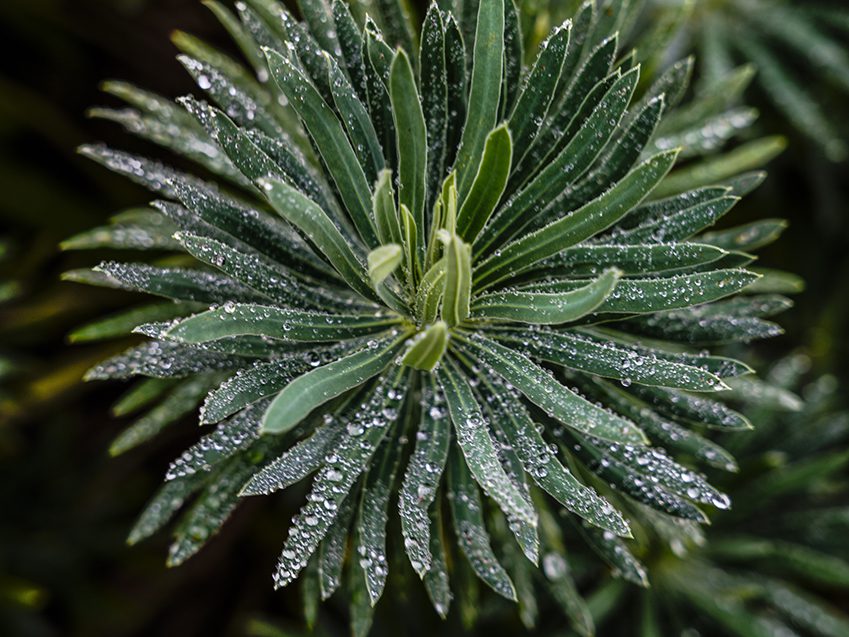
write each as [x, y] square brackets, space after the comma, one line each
[777, 563]
[418, 270]
[795, 49]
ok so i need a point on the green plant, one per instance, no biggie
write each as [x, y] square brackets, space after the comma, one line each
[435, 271]
[795, 51]
[777, 563]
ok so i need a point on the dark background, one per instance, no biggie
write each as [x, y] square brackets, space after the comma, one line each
[65, 506]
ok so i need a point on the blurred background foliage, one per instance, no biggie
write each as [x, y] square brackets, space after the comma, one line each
[64, 566]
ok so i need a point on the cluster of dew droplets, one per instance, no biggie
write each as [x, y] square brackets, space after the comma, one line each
[572, 412]
[539, 459]
[230, 437]
[220, 498]
[296, 463]
[265, 378]
[474, 540]
[421, 479]
[163, 359]
[200, 285]
[652, 466]
[366, 427]
[239, 106]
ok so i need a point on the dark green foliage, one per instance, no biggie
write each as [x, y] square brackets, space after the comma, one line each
[411, 245]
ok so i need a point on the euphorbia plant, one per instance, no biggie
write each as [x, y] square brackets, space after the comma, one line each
[428, 271]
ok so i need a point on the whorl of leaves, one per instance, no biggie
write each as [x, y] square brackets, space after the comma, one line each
[417, 269]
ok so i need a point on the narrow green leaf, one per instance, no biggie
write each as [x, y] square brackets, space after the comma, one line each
[331, 141]
[667, 293]
[123, 323]
[590, 260]
[261, 320]
[436, 579]
[749, 237]
[180, 402]
[295, 464]
[411, 132]
[559, 578]
[314, 223]
[239, 33]
[315, 388]
[157, 359]
[715, 170]
[385, 213]
[514, 54]
[430, 293]
[615, 552]
[602, 357]
[165, 503]
[319, 18]
[331, 553]
[691, 409]
[472, 537]
[179, 284]
[455, 67]
[355, 117]
[458, 282]
[488, 186]
[677, 225]
[581, 93]
[485, 91]
[374, 514]
[359, 609]
[398, 20]
[377, 63]
[154, 233]
[478, 446]
[434, 97]
[141, 395]
[776, 282]
[351, 45]
[410, 241]
[531, 109]
[542, 308]
[421, 480]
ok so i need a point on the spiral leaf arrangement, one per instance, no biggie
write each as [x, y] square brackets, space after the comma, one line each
[427, 272]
